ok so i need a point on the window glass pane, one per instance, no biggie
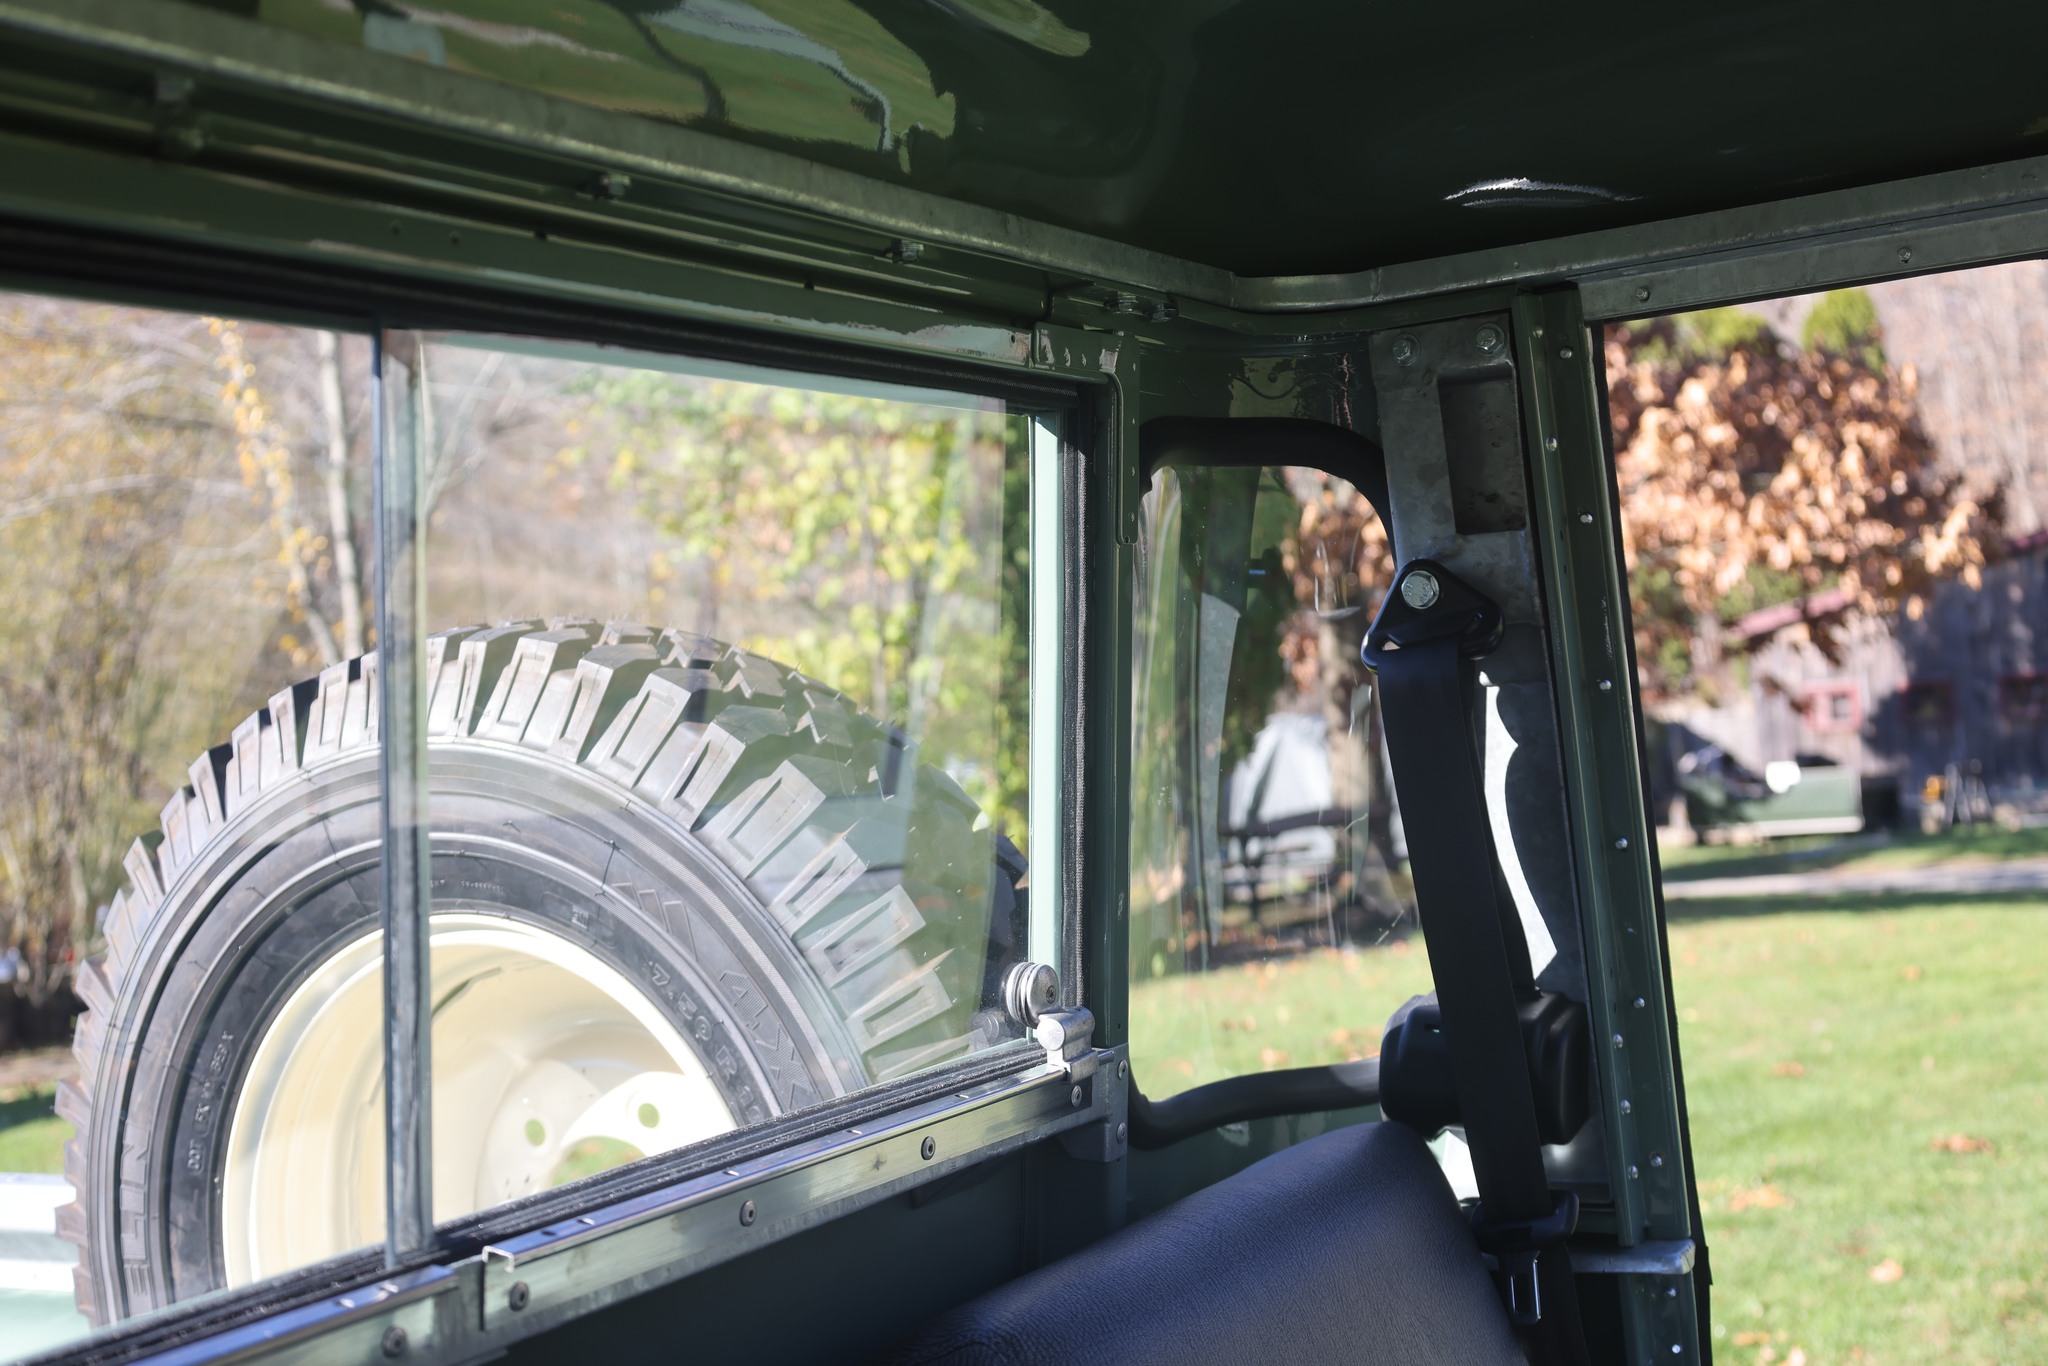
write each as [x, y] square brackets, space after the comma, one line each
[1272, 921]
[188, 811]
[729, 711]
[1833, 511]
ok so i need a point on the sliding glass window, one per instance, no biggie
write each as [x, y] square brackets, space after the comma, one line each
[608, 752]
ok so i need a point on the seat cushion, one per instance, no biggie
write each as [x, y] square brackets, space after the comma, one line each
[1347, 1248]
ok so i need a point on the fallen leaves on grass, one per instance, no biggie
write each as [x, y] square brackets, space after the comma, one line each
[1789, 1069]
[1912, 972]
[1232, 1024]
[1271, 1058]
[1961, 1143]
[1887, 1271]
[1765, 1196]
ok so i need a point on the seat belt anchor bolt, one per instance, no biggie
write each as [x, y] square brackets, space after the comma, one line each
[1419, 589]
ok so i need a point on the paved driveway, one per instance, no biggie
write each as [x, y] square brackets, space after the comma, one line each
[2013, 875]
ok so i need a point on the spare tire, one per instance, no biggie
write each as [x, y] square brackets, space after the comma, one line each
[676, 887]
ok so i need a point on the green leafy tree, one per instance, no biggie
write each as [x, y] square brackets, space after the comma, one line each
[879, 546]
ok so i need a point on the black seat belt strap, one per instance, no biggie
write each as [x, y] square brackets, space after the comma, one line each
[1429, 630]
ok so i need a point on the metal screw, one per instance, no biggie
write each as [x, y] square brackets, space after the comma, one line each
[1164, 311]
[394, 1341]
[1586, 519]
[1642, 294]
[747, 1213]
[903, 251]
[1905, 255]
[1489, 339]
[1075, 1097]
[1621, 843]
[1626, 1107]
[1619, 1042]
[1549, 443]
[1564, 353]
[928, 1149]
[1606, 685]
[1403, 350]
[1640, 1003]
[1419, 590]
[1676, 1350]
[1670, 1292]
[1123, 1133]
[1535, 331]
[1656, 1159]
[1123, 1069]
[519, 1296]
[1632, 1172]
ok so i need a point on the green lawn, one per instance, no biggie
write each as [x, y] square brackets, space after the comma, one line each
[1869, 1095]
[31, 1136]
[1327, 1005]
[1869, 1098]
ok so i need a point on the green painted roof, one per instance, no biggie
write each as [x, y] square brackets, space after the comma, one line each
[1283, 138]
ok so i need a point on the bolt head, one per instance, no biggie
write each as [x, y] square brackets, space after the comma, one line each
[1420, 590]
[1905, 255]
[1621, 843]
[1403, 350]
[1489, 340]
[1075, 1096]
[1619, 1041]
[1640, 1003]
[928, 1149]
[394, 1341]
[1632, 1172]
[1564, 353]
[1642, 294]
[1626, 1107]
[519, 1296]
[1123, 1069]
[748, 1214]
[1123, 1133]
[1549, 443]
[1656, 1159]
[1606, 685]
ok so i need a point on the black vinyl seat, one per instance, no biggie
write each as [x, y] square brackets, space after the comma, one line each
[1347, 1248]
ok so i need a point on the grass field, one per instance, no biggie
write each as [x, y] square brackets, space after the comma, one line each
[1869, 1102]
[31, 1136]
[1869, 1091]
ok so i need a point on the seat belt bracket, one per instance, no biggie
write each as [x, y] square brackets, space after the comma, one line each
[1517, 1245]
[1431, 603]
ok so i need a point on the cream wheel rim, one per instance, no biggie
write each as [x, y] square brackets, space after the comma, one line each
[548, 1065]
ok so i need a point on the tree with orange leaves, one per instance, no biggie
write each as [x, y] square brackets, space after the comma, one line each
[1753, 473]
